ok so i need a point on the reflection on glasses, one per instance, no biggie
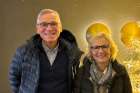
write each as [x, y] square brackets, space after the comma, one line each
[103, 47]
[45, 24]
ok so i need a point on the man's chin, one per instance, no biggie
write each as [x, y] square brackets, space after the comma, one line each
[51, 40]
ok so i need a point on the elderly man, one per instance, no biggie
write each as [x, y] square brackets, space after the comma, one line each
[47, 62]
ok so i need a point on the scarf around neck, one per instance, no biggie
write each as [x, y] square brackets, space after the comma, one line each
[101, 82]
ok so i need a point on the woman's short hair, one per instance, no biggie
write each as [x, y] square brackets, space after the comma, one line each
[100, 30]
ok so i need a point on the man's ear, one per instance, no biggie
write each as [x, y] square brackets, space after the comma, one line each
[37, 29]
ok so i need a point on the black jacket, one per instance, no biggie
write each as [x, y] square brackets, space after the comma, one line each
[24, 69]
[119, 84]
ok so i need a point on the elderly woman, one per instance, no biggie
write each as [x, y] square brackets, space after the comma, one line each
[100, 71]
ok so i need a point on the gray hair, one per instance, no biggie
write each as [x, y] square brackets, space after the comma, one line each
[47, 11]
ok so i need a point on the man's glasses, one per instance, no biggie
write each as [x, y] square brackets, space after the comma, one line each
[103, 47]
[45, 24]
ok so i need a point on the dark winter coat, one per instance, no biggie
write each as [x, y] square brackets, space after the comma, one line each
[120, 83]
[24, 69]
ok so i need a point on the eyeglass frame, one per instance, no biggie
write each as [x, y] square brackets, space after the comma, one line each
[45, 24]
[103, 47]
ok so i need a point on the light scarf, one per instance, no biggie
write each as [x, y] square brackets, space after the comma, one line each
[101, 82]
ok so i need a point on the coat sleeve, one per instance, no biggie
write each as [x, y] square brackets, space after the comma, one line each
[15, 70]
[127, 84]
[77, 80]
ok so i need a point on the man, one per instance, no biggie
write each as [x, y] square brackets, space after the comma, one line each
[47, 62]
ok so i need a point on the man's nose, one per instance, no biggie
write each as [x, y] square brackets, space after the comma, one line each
[48, 27]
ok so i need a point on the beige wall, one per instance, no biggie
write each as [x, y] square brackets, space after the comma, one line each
[17, 22]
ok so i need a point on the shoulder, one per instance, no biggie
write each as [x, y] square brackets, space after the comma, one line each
[85, 63]
[68, 40]
[71, 49]
[119, 68]
[27, 46]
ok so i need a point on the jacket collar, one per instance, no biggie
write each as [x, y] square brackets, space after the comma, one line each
[71, 47]
[117, 67]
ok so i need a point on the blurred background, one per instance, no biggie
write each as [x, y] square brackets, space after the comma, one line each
[18, 20]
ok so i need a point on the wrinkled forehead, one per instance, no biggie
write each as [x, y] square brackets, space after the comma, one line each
[48, 17]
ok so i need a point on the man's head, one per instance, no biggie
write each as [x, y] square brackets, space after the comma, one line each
[49, 25]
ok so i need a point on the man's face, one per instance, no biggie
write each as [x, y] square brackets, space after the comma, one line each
[49, 27]
[100, 50]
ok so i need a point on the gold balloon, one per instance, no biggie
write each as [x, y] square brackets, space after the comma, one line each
[130, 36]
[96, 28]
[130, 32]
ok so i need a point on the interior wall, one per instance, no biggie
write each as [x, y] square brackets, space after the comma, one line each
[3, 63]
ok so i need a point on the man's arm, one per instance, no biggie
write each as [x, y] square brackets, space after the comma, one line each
[15, 70]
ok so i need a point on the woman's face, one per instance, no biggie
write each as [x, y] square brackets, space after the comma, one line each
[100, 50]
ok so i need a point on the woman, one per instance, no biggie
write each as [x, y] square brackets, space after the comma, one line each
[100, 72]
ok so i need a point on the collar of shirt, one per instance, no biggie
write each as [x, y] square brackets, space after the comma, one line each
[104, 72]
[53, 50]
